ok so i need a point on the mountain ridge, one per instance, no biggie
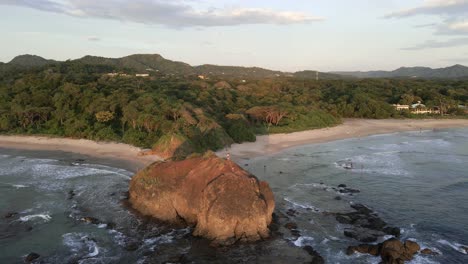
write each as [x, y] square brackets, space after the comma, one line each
[157, 63]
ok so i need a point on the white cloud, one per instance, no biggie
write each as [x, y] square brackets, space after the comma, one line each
[175, 13]
[432, 44]
[434, 7]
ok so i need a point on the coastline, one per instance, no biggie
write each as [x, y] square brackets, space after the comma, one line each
[101, 150]
[350, 128]
[265, 145]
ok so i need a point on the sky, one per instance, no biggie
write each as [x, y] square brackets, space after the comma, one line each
[325, 35]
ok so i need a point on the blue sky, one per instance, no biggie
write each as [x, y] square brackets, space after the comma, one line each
[326, 35]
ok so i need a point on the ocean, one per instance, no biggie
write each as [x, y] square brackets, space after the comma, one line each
[69, 208]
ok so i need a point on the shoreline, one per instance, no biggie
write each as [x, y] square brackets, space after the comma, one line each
[350, 128]
[100, 150]
[264, 145]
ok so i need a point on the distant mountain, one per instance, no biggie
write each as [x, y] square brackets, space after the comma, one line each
[30, 61]
[452, 72]
[156, 63]
[141, 63]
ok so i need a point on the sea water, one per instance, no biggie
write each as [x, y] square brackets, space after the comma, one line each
[417, 181]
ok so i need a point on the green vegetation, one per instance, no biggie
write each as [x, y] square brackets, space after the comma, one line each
[79, 99]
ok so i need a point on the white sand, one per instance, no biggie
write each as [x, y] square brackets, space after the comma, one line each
[351, 128]
[117, 151]
[265, 145]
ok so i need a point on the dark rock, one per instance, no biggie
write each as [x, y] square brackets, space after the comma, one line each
[342, 186]
[427, 251]
[362, 234]
[361, 208]
[110, 225]
[31, 257]
[316, 258]
[90, 220]
[132, 245]
[71, 194]
[291, 212]
[338, 198]
[367, 226]
[295, 233]
[394, 231]
[11, 214]
[291, 226]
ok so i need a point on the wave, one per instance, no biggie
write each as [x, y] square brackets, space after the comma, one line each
[81, 244]
[303, 241]
[454, 245]
[303, 206]
[43, 216]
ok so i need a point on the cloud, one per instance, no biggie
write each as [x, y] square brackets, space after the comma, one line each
[453, 14]
[434, 7]
[94, 38]
[175, 13]
[433, 44]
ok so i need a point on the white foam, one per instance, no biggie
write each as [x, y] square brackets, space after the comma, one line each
[19, 186]
[302, 205]
[81, 243]
[303, 241]
[43, 216]
[454, 245]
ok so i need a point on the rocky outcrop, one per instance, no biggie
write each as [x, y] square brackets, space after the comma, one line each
[171, 146]
[365, 225]
[392, 251]
[221, 200]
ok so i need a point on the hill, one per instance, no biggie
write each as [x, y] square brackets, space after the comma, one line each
[141, 63]
[452, 72]
[30, 61]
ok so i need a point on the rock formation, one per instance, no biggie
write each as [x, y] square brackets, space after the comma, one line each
[392, 251]
[221, 200]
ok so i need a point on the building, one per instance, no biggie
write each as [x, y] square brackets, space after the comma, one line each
[400, 107]
[418, 108]
[142, 75]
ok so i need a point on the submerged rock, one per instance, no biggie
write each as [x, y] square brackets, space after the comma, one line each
[224, 202]
[31, 257]
[427, 251]
[316, 258]
[366, 226]
[10, 214]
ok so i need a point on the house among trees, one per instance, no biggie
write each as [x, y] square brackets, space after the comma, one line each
[418, 108]
[400, 107]
[142, 75]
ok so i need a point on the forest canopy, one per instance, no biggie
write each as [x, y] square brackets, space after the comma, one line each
[76, 99]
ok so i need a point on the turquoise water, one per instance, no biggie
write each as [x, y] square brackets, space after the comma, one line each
[417, 181]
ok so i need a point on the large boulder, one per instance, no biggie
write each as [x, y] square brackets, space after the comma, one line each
[224, 202]
[392, 251]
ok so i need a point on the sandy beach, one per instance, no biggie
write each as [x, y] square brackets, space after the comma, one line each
[351, 128]
[265, 145]
[107, 150]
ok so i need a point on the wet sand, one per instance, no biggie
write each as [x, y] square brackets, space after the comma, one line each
[104, 150]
